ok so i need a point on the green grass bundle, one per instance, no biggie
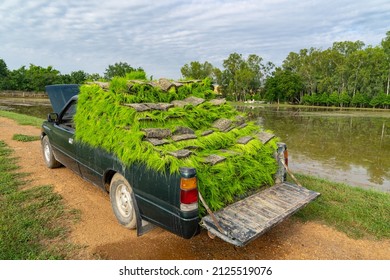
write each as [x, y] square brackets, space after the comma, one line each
[179, 126]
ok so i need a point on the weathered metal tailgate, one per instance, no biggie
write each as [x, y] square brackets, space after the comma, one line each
[249, 218]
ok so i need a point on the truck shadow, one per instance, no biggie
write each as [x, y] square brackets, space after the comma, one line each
[162, 245]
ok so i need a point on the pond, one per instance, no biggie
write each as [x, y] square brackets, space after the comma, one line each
[347, 146]
[37, 107]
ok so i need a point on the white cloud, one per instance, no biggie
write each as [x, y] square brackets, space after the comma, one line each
[161, 36]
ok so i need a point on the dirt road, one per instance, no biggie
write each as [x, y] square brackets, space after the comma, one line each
[104, 238]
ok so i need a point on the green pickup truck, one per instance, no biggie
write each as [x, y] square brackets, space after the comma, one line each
[143, 198]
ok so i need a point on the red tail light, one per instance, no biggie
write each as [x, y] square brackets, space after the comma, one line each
[189, 197]
[188, 189]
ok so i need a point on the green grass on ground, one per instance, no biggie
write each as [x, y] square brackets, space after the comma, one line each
[34, 223]
[358, 212]
[25, 138]
[22, 119]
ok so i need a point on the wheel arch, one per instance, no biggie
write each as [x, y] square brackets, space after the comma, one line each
[43, 134]
[108, 175]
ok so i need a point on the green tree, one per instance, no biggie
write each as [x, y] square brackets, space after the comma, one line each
[119, 70]
[346, 68]
[374, 72]
[271, 91]
[245, 82]
[344, 99]
[324, 99]
[217, 73]
[334, 99]
[37, 77]
[75, 77]
[307, 65]
[17, 79]
[386, 47]
[229, 76]
[359, 100]
[197, 70]
[379, 100]
[94, 77]
[3, 74]
[387, 101]
[283, 86]
[256, 68]
[78, 77]
[242, 78]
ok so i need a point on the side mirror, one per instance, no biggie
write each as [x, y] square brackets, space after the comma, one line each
[52, 117]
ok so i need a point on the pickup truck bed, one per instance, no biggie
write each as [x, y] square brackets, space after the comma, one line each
[249, 218]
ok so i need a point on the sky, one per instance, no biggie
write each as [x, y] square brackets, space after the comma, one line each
[162, 36]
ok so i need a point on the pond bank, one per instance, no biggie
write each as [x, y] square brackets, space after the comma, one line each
[300, 106]
[22, 94]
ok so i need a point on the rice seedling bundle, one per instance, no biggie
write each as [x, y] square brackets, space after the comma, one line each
[167, 125]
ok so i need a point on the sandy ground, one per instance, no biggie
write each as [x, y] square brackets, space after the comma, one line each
[104, 238]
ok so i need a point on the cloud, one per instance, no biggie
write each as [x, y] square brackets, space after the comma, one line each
[164, 35]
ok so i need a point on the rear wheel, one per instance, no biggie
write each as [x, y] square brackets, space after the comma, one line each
[121, 196]
[48, 154]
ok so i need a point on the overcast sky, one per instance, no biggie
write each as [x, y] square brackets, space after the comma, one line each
[162, 36]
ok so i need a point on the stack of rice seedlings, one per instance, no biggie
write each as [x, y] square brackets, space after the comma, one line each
[166, 126]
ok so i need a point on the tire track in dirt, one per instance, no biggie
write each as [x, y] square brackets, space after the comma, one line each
[104, 238]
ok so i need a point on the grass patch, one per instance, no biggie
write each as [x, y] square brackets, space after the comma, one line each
[34, 223]
[25, 138]
[358, 212]
[22, 119]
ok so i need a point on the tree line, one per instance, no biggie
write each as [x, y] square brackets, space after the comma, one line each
[346, 74]
[35, 78]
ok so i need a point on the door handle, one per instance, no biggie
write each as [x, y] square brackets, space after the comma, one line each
[70, 140]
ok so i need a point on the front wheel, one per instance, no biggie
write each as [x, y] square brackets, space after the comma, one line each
[121, 196]
[48, 154]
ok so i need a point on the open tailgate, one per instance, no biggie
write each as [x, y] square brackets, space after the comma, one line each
[249, 218]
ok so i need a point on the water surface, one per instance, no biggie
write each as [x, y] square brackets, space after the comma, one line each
[346, 146]
[37, 107]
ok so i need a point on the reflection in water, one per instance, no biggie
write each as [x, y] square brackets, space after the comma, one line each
[352, 147]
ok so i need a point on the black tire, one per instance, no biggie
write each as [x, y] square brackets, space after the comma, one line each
[48, 154]
[121, 196]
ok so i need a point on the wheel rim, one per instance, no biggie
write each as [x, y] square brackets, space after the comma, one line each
[46, 150]
[124, 201]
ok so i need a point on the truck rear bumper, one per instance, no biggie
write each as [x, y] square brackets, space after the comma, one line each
[251, 217]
